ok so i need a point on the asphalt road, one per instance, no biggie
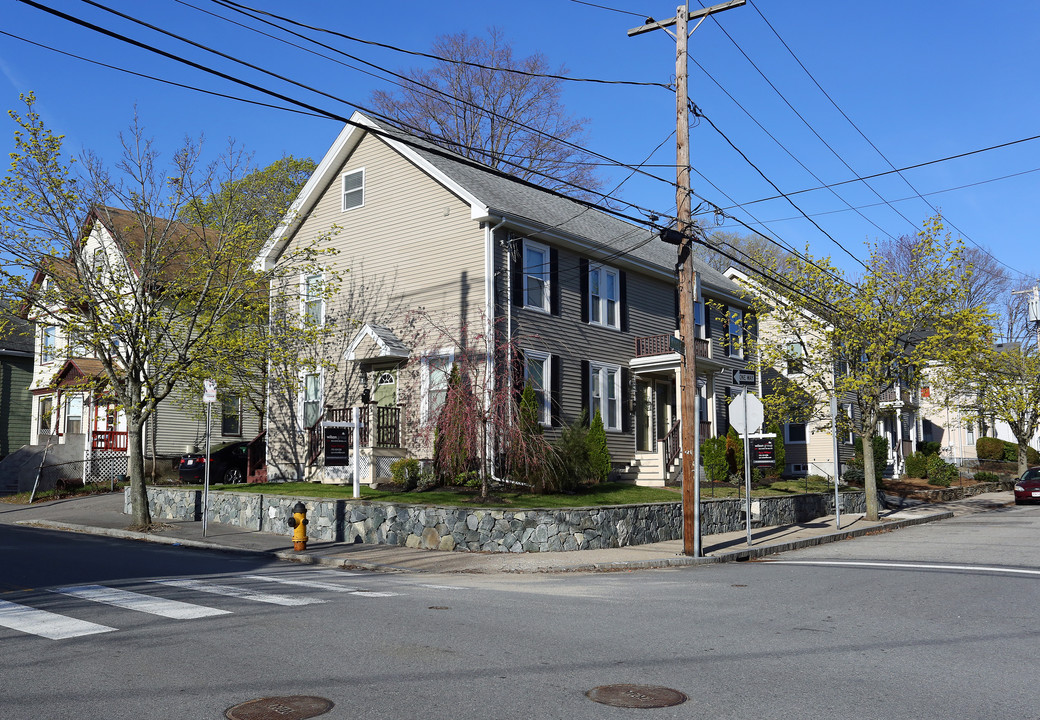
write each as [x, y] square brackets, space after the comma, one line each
[936, 621]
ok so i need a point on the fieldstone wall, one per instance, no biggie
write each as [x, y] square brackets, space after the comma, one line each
[486, 530]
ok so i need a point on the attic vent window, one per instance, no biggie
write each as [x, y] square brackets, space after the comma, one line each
[353, 189]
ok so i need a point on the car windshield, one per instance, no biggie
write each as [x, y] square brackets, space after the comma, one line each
[1031, 474]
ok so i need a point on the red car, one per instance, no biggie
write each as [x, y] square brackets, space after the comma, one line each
[1027, 489]
[227, 464]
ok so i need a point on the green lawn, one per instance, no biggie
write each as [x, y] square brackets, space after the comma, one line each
[605, 494]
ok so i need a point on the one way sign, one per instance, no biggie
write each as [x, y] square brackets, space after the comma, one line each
[744, 377]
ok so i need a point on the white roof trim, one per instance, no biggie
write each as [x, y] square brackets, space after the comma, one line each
[337, 154]
[367, 331]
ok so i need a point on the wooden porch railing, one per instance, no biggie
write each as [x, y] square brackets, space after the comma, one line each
[256, 459]
[109, 440]
[383, 432]
[673, 440]
[662, 345]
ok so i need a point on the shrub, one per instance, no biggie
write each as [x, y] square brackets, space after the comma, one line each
[406, 472]
[599, 455]
[853, 476]
[735, 453]
[713, 454]
[986, 477]
[880, 445]
[779, 449]
[917, 464]
[929, 447]
[940, 472]
[989, 448]
[1010, 452]
[571, 465]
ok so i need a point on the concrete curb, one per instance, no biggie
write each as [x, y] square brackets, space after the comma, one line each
[740, 555]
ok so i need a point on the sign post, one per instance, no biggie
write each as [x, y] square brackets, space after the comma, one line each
[209, 396]
[746, 418]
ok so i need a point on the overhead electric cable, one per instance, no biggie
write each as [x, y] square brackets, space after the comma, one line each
[240, 7]
[871, 143]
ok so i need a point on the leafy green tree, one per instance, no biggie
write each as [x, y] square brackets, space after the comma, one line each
[779, 449]
[713, 452]
[599, 455]
[869, 338]
[735, 453]
[160, 297]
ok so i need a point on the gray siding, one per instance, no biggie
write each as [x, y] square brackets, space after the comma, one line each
[16, 373]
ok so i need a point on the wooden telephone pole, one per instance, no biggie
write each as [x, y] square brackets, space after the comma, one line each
[684, 221]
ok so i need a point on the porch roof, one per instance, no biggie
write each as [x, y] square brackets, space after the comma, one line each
[387, 345]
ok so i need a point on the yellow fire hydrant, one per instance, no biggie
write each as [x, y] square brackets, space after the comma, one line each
[298, 522]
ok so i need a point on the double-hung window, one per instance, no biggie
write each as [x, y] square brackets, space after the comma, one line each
[698, 320]
[353, 189]
[795, 354]
[605, 394]
[794, 433]
[231, 415]
[436, 373]
[536, 275]
[314, 298]
[536, 374]
[49, 343]
[735, 332]
[311, 399]
[603, 296]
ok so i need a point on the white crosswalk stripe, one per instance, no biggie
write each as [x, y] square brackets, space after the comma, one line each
[239, 592]
[302, 583]
[142, 603]
[46, 624]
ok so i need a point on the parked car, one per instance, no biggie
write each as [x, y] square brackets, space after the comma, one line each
[227, 464]
[1027, 489]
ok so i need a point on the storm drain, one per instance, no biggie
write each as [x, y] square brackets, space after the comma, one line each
[636, 696]
[293, 707]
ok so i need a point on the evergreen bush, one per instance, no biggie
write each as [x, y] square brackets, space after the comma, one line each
[986, 477]
[713, 455]
[940, 472]
[987, 448]
[599, 455]
[406, 472]
[917, 464]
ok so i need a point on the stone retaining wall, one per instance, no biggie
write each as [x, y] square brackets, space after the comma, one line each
[485, 530]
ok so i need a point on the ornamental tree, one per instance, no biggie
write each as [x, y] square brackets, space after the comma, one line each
[866, 339]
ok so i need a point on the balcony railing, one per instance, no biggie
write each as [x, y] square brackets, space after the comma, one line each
[109, 440]
[649, 345]
[384, 432]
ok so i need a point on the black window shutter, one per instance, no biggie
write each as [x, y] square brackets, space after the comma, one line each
[675, 293]
[583, 280]
[623, 299]
[555, 390]
[554, 281]
[516, 271]
[626, 401]
[585, 375]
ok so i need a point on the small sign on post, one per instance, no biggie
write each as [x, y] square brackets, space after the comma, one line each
[763, 453]
[337, 446]
[209, 391]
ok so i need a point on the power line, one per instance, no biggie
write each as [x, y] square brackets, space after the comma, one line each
[240, 8]
[869, 141]
[604, 7]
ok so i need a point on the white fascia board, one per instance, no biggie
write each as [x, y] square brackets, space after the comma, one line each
[330, 164]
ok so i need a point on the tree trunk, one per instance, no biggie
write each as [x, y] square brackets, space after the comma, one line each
[135, 469]
[1023, 458]
[869, 477]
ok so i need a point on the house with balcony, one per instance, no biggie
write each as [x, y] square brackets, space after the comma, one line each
[76, 429]
[536, 287]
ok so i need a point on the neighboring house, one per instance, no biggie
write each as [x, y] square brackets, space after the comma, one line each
[16, 368]
[73, 411]
[950, 423]
[587, 301]
[809, 442]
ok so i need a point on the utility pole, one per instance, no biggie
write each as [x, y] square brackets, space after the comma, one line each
[684, 221]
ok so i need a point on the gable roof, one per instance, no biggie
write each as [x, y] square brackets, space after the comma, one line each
[493, 196]
[390, 346]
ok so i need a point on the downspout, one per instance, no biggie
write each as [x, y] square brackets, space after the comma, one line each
[489, 329]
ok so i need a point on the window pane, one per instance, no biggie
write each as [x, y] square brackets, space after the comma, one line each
[536, 379]
[536, 276]
[229, 416]
[796, 432]
[535, 292]
[353, 190]
[439, 372]
[611, 419]
[311, 399]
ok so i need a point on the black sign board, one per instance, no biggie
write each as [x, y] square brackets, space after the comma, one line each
[744, 377]
[337, 446]
[763, 454]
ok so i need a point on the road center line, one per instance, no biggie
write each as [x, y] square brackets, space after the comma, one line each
[911, 566]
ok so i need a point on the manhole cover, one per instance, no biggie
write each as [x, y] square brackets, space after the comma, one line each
[293, 707]
[636, 696]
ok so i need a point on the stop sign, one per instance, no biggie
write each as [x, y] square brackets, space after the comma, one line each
[748, 423]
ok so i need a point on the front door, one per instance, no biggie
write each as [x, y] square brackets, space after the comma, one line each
[665, 407]
[385, 393]
[644, 416]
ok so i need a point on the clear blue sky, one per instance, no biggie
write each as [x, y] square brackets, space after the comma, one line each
[921, 80]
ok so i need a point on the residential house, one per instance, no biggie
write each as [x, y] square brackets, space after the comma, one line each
[16, 366]
[587, 301]
[77, 429]
[809, 441]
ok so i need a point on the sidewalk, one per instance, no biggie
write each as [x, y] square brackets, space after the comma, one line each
[103, 515]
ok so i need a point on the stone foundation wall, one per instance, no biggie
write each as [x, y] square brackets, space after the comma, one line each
[485, 530]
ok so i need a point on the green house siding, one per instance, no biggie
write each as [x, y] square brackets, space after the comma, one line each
[15, 403]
